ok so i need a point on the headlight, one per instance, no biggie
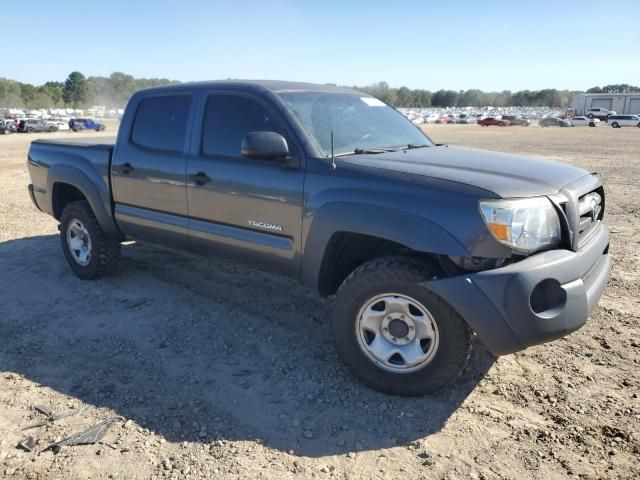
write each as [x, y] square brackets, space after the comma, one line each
[526, 225]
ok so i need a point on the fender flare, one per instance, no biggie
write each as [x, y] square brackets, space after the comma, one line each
[407, 229]
[98, 201]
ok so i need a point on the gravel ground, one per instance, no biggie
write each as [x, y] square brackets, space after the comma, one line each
[223, 373]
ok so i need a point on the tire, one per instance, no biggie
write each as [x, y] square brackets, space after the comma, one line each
[592, 124]
[103, 252]
[590, 115]
[615, 125]
[384, 281]
[52, 129]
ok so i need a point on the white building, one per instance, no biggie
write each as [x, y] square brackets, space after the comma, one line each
[618, 102]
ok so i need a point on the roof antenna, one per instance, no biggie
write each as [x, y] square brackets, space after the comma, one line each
[333, 156]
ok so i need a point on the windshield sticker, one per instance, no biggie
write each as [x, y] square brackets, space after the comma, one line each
[372, 102]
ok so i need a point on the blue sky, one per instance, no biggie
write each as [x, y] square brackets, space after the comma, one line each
[491, 45]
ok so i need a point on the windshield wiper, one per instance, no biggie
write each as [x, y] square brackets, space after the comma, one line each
[374, 150]
[415, 145]
[366, 151]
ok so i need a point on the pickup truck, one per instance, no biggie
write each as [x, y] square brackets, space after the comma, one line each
[600, 113]
[421, 246]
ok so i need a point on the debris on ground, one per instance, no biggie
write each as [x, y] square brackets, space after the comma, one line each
[27, 444]
[50, 416]
[86, 437]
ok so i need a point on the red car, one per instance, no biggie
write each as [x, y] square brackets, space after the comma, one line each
[8, 126]
[485, 122]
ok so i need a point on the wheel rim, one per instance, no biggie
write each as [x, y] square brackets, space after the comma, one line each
[79, 242]
[397, 333]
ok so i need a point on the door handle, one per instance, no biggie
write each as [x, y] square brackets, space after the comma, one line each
[126, 168]
[200, 178]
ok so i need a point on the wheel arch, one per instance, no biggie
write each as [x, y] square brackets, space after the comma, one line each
[342, 236]
[67, 184]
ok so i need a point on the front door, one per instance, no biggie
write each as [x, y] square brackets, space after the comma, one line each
[148, 171]
[248, 212]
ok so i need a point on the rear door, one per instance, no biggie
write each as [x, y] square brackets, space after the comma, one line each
[148, 170]
[245, 211]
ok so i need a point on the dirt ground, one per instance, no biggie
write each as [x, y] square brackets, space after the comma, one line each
[223, 373]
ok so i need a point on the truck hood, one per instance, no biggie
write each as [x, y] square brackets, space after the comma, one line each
[504, 174]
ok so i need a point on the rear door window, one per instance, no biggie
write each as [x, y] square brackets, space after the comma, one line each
[161, 122]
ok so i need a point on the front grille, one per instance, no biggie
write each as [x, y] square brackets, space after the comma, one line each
[590, 213]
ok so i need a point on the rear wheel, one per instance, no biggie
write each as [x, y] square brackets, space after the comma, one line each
[394, 335]
[91, 254]
[615, 125]
[590, 115]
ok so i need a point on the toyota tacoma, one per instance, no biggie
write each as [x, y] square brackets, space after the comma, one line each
[424, 246]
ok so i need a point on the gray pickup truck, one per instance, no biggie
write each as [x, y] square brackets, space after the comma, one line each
[422, 245]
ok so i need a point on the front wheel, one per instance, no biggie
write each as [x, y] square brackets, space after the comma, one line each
[396, 336]
[91, 254]
[615, 125]
[590, 115]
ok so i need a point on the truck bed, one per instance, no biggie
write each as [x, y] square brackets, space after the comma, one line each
[94, 142]
[83, 163]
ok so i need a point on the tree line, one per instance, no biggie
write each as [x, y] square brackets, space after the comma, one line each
[76, 92]
[114, 90]
[551, 97]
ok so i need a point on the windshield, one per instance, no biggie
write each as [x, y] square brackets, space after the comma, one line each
[360, 124]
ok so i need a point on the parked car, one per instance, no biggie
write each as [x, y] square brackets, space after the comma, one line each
[511, 247]
[517, 120]
[8, 126]
[77, 124]
[465, 118]
[443, 119]
[581, 121]
[600, 113]
[618, 121]
[488, 121]
[31, 125]
[554, 122]
[59, 124]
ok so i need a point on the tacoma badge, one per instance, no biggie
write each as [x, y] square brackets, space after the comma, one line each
[268, 226]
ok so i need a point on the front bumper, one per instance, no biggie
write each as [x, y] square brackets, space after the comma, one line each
[33, 197]
[533, 301]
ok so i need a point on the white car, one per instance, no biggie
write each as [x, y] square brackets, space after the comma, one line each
[59, 124]
[601, 113]
[584, 122]
[618, 121]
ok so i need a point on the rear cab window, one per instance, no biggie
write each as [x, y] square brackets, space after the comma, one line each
[160, 122]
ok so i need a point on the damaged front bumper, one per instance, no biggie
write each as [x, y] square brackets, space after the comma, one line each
[540, 298]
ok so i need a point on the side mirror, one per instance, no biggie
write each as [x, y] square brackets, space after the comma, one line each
[264, 146]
